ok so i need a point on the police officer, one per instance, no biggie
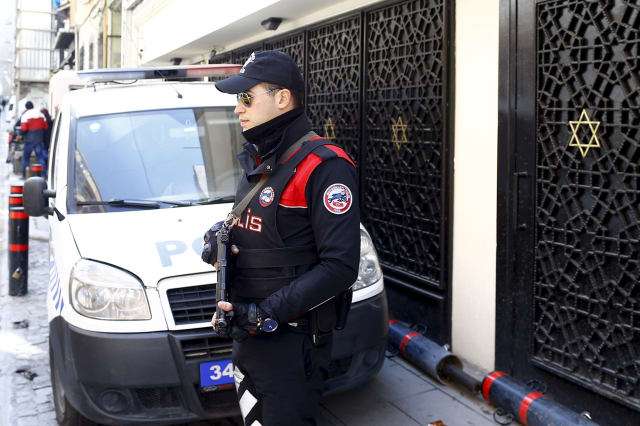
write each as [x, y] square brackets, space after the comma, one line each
[296, 247]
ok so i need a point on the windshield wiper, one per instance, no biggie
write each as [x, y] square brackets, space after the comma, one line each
[215, 200]
[173, 203]
[144, 204]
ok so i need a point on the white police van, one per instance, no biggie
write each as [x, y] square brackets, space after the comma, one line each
[137, 174]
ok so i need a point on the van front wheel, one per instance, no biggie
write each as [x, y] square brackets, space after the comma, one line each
[66, 415]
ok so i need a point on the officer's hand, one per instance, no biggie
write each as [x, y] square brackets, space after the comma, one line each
[241, 325]
[240, 313]
[225, 306]
[210, 249]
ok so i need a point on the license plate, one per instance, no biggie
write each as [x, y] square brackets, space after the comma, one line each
[215, 373]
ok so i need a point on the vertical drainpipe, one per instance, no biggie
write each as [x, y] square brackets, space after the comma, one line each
[105, 27]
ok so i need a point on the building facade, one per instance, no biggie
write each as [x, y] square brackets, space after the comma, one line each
[97, 25]
[33, 49]
[497, 144]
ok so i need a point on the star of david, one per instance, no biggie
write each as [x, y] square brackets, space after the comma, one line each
[399, 130]
[329, 129]
[593, 140]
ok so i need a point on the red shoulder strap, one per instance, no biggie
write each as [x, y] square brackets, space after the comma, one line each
[294, 194]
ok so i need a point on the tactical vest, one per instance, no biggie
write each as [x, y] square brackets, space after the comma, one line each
[264, 263]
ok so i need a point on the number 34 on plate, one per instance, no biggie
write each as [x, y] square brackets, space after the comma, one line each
[217, 372]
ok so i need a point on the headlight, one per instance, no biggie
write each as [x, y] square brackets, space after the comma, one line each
[369, 271]
[104, 292]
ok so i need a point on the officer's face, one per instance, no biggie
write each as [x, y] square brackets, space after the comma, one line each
[264, 106]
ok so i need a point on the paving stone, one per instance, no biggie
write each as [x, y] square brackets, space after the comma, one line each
[47, 407]
[326, 418]
[42, 399]
[379, 414]
[395, 383]
[24, 409]
[43, 391]
[436, 405]
[47, 419]
[28, 421]
[22, 399]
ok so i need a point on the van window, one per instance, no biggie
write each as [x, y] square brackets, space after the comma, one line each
[178, 155]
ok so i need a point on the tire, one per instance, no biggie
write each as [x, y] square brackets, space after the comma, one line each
[66, 415]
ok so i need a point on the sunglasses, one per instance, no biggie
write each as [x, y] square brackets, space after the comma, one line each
[246, 98]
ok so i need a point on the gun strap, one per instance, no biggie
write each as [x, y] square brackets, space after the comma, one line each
[239, 208]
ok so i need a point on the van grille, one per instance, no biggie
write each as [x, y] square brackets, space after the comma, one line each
[221, 400]
[205, 347]
[153, 398]
[192, 304]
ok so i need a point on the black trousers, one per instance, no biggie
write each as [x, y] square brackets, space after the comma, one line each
[279, 378]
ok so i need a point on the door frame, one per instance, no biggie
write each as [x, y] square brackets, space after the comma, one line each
[515, 239]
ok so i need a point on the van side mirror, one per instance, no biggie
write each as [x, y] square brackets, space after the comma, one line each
[36, 197]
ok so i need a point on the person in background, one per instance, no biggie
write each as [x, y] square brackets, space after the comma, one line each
[33, 126]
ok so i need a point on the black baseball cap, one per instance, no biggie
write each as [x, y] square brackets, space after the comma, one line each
[269, 66]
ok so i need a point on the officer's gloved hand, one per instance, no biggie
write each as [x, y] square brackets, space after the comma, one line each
[244, 322]
[210, 250]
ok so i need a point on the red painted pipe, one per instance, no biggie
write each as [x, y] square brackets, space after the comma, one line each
[428, 356]
[529, 407]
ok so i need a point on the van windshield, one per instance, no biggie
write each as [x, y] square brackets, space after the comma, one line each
[162, 158]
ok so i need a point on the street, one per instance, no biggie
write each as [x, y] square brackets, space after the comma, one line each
[399, 395]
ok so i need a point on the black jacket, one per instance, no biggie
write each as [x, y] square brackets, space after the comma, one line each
[310, 213]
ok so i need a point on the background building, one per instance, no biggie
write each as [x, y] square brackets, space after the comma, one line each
[97, 26]
[64, 46]
[7, 46]
[33, 49]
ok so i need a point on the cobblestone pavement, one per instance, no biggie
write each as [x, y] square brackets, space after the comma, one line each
[25, 388]
[399, 395]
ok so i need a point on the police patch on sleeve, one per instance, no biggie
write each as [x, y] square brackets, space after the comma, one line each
[337, 198]
[266, 196]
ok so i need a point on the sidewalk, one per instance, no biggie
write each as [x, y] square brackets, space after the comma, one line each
[399, 395]
[402, 395]
[25, 389]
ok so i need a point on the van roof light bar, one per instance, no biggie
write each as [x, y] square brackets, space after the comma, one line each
[172, 72]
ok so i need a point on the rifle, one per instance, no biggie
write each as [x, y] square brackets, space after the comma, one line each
[223, 318]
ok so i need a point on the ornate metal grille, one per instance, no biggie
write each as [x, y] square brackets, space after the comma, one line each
[402, 183]
[587, 264]
[392, 125]
[241, 55]
[333, 82]
[223, 58]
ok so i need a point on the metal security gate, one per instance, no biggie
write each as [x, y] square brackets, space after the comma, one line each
[377, 82]
[568, 310]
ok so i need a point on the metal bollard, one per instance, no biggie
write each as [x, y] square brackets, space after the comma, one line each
[18, 242]
[36, 169]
